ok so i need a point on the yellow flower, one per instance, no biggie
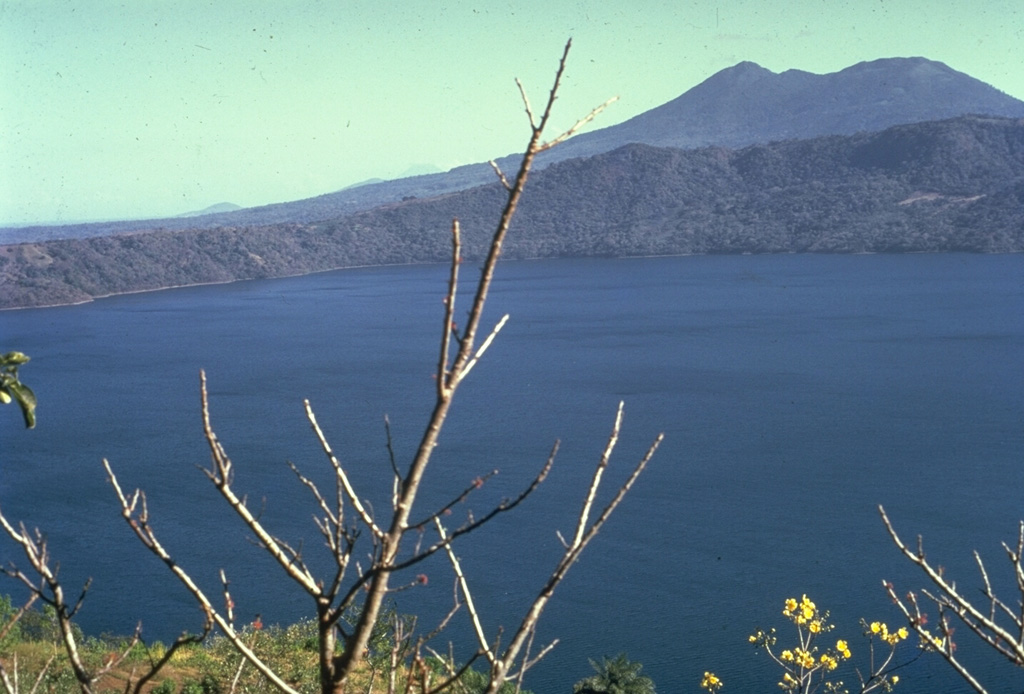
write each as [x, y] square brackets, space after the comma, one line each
[876, 627]
[894, 637]
[828, 661]
[894, 679]
[790, 605]
[814, 627]
[843, 648]
[786, 655]
[710, 682]
[804, 659]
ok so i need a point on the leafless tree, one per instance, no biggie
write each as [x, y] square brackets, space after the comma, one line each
[43, 585]
[998, 623]
[396, 545]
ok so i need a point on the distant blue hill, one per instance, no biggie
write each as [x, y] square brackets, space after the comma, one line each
[213, 209]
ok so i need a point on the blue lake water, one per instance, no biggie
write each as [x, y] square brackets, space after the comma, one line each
[796, 393]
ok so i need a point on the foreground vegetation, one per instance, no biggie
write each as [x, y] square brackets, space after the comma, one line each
[36, 660]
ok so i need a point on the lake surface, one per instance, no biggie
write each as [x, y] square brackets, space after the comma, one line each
[795, 392]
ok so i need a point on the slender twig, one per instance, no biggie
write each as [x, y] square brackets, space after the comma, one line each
[391, 460]
[579, 124]
[483, 347]
[581, 539]
[503, 507]
[447, 329]
[500, 174]
[18, 615]
[461, 498]
[353, 498]
[467, 594]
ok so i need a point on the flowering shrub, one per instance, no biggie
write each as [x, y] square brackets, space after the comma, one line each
[809, 664]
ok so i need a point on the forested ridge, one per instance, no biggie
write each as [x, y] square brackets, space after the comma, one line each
[952, 185]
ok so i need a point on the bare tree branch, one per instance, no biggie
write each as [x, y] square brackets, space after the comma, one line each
[463, 584]
[983, 623]
[448, 328]
[49, 590]
[461, 498]
[500, 174]
[378, 587]
[16, 617]
[584, 534]
[391, 461]
[353, 498]
[579, 124]
[483, 347]
[138, 520]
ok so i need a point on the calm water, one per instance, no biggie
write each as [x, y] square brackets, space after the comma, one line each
[796, 394]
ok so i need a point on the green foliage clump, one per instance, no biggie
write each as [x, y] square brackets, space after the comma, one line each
[12, 389]
[618, 675]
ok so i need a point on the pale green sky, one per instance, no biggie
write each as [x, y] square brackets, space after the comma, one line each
[148, 108]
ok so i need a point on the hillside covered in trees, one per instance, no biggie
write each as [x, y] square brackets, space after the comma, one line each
[953, 185]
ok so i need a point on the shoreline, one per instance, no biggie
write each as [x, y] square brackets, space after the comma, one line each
[507, 260]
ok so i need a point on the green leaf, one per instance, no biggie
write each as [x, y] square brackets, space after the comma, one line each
[26, 400]
[14, 358]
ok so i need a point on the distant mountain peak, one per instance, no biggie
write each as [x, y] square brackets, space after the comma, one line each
[420, 170]
[898, 61]
[747, 66]
[746, 103]
[916, 66]
[746, 70]
[219, 208]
